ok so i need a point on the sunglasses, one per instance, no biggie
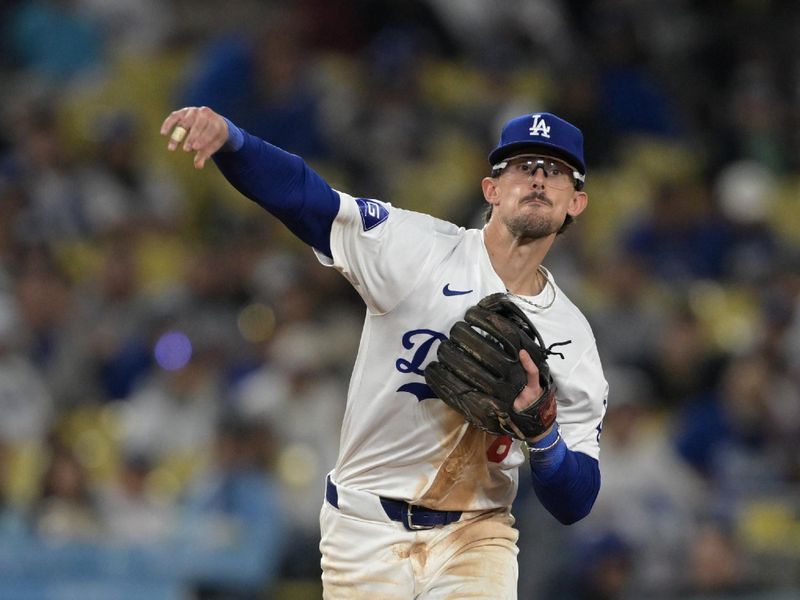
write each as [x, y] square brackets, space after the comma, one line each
[559, 174]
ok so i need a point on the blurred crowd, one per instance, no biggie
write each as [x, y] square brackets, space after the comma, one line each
[174, 365]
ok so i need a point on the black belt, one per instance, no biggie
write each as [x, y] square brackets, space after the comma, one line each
[412, 517]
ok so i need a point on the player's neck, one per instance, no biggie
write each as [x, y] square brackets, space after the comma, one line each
[516, 261]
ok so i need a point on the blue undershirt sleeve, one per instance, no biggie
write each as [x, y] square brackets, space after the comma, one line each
[566, 482]
[281, 183]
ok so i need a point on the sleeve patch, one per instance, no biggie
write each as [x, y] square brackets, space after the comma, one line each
[373, 213]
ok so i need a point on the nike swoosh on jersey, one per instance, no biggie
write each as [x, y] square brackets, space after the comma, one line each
[448, 292]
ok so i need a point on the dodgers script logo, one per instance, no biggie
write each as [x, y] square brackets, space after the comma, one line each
[539, 127]
[421, 340]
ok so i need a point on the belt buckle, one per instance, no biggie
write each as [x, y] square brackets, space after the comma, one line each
[409, 523]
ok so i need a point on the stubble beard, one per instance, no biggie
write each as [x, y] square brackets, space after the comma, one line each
[530, 225]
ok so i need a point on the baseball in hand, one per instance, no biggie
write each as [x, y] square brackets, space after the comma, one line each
[178, 134]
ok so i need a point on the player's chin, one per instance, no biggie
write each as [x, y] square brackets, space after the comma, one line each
[531, 226]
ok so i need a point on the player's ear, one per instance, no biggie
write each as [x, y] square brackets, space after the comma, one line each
[577, 204]
[490, 192]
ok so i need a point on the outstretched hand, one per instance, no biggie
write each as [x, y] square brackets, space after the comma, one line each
[206, 132]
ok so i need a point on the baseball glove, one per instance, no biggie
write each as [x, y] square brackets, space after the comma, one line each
[478, 372]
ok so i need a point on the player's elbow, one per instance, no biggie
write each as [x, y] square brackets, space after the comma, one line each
[571, 496]
[586, 491]
[578, 512]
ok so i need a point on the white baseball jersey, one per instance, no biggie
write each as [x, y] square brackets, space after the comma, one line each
[418, 275]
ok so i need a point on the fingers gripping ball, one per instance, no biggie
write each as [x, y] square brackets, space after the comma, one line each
[178, 134]
[478, 372]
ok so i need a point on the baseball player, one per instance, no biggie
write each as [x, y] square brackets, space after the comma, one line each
[418, 504]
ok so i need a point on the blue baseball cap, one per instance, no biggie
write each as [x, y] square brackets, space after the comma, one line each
[543, 131]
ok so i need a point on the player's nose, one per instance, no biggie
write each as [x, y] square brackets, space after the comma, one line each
[537, 179]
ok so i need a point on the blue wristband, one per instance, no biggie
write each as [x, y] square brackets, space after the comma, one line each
[547, 454]
[549, 440]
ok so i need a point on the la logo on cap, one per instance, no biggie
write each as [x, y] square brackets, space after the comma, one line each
[539, 127]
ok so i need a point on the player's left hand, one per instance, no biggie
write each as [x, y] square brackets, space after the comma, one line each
[204, 132]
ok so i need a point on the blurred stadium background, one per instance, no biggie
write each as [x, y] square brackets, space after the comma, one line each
[173, 365]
